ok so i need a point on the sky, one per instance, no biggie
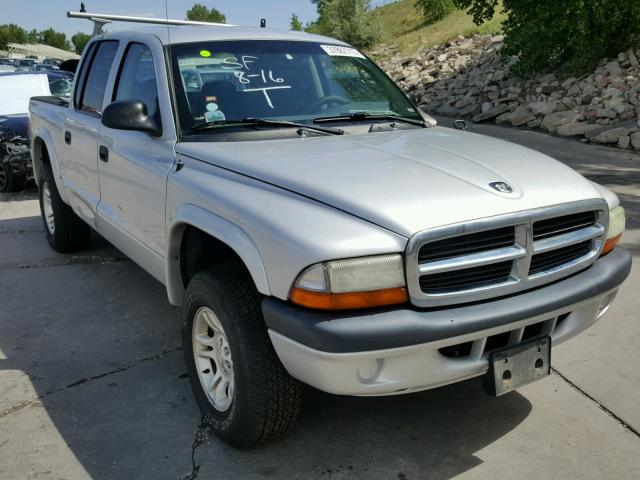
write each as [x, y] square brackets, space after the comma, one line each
[41, 14]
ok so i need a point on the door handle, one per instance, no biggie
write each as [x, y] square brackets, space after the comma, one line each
[67, 137]
[103, 153]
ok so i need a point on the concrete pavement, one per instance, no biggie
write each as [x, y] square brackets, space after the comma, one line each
[92, 382]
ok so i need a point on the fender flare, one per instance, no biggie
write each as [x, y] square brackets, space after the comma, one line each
[190, 215]
[42, 135]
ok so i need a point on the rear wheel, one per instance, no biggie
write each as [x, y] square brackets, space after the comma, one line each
[9, 181]
[245, 394]
[66, 232]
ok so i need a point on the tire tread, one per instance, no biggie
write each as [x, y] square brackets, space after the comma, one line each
[275, 396]
[71, 233]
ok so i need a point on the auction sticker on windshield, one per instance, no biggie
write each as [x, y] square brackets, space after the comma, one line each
[337, 51]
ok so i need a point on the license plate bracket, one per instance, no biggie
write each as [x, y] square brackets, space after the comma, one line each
[517, 365]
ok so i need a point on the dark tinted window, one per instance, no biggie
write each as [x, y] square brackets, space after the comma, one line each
[97, 77]
[82, 75]
[137, 79]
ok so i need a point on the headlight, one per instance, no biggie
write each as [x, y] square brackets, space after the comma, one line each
[352, 283]
[615, 230]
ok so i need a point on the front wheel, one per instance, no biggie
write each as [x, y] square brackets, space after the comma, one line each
[242, 389]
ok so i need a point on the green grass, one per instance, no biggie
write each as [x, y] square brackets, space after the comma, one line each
[404, 28]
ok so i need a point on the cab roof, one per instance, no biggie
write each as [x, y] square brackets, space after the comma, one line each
[170, 35]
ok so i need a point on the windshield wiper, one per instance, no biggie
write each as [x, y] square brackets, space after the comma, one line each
[365, 117]
[267, 123]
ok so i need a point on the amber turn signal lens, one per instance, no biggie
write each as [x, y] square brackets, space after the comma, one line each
[348, 300]
[610, 244]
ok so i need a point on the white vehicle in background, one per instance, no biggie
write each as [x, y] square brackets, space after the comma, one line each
[314, 225]
[16, 89]
[7, 65]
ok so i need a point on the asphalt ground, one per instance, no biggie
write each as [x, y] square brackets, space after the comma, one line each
[92, 381]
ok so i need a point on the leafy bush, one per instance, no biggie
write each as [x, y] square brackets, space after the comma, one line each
[568, 35]
[295, 23]
[349, 20]
[434, 10]
[200, 13]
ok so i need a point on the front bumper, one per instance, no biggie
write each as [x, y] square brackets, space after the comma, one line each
[400, 350]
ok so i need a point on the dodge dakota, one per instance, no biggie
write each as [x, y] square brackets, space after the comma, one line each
[314, 225]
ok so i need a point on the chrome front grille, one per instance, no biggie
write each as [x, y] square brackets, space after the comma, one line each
[501, 255]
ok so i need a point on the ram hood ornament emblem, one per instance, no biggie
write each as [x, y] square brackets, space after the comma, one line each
[501, 187]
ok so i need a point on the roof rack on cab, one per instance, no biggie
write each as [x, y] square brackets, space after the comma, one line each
[101, 19]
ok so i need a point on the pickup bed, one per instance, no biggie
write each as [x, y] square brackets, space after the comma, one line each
[314, 225]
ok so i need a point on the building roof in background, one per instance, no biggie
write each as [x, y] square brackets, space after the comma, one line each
[41, 51]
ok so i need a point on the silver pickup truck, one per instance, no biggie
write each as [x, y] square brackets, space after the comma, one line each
[314, 225]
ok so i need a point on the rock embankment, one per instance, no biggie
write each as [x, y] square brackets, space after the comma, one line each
[469, 78]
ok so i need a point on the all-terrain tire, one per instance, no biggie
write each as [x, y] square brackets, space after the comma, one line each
[67, 233]
[9, 181]
[266, 399]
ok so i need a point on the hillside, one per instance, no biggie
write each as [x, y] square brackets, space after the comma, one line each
[404, 30]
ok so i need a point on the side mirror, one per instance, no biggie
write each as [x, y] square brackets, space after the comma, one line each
[130, 115]
[428, 119]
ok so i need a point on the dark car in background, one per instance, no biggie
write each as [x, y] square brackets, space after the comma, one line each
[16, 88]
[42, 67]
[26, 63]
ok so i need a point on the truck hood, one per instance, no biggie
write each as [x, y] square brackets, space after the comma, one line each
[405, 181]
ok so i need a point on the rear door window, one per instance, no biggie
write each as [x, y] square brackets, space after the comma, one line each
[97, 77]
[82, 75]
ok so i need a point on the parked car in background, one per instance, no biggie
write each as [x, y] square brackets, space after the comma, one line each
[42, 67]
[15, 91]
[7, 65]
[52, 61]
[26, 63]
[15, 156]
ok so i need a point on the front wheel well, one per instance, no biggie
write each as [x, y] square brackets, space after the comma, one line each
[199, 250]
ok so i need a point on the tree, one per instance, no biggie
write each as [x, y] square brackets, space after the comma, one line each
[11, 33]
[55, 39]
[200, 13]
[434, 10]
[569, 35]
[79, 40]
[296, 24]
[349, 20]
[34, 36]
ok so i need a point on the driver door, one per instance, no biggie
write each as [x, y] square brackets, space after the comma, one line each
[134, 165]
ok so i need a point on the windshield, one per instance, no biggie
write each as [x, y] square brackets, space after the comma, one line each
[60, 85]
[279, 80]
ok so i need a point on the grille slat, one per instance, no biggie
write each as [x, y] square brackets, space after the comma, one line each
[565, 224]
[466, 244]
[549, 260]
[467, 278]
